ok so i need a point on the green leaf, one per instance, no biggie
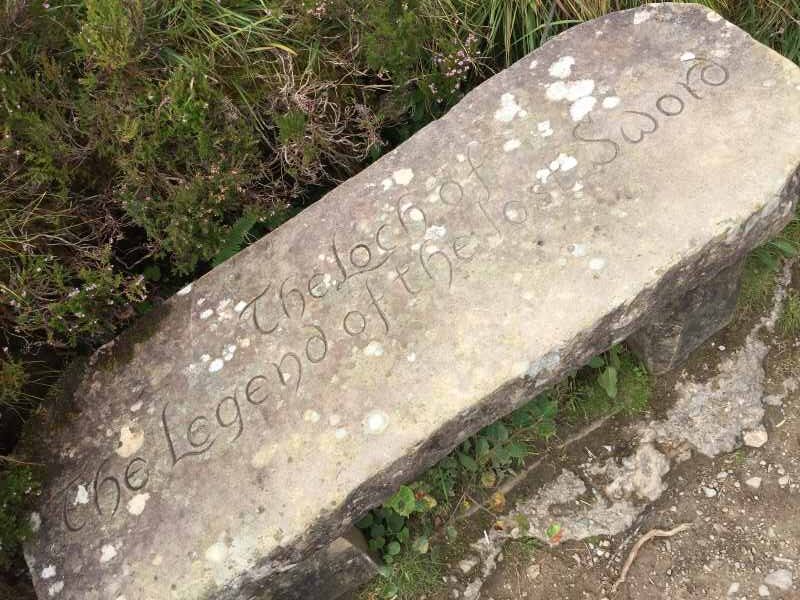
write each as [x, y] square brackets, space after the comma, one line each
[376, 544]
[553, 530]
[482, 450]
[502, 432]
[467, 462]
[395, 521]
[393, 549]
[390, 591]
[517, 450]
[385, 571]
[366, 521]
[784, 246]
[404, 535]
[403, 502]
[451, 533]
[502, 455]
[377, 530]
[608, 381]
[420, 545]
[613, 355]
[597, 362]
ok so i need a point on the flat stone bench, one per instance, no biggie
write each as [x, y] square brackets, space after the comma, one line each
[607, 187]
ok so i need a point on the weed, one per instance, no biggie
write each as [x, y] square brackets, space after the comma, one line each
[411, 576]
[18, 487]
[789, 322]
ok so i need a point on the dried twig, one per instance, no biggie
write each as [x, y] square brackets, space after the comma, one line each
[653, 533]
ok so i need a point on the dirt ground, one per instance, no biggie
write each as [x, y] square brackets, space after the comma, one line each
[737, 511]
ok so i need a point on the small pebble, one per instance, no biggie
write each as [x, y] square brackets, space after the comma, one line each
[754, 482]
[756, 438]
[781, 579]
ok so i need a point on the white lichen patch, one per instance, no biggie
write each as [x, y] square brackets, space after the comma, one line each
[610, 102]
[374, 348]
[240, 306]
[542, 175]
[533, 64]
[130, 441]
[713, 17]
[107, 553]
[216, 552]
[511, 145]
[687, 56]
[137, 504]
[387, 184]
[569, 90]
[48, 572]
[81, 496]
[35, 521]
[508, 108]
[340, 433]
[403, 176]
[411, 357]
[136, 406]
[376, 422]
[311, 416]
[55, 588]
[205, 358]
[216, 365]
[544, 129]
[597, 264]
[582, 107]
[640, 16]
[563, 162]
[228, 352]
[577, 250]
[435, 231]
[185, 290]
[562, 68]
[206, 314]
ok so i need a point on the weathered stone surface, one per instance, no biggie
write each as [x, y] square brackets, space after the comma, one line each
[551, 213]
[332, 571]
[689, 321]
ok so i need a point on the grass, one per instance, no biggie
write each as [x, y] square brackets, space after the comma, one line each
[412, 576]
[788, 323]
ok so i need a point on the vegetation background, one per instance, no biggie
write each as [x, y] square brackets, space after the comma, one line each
[142, 142]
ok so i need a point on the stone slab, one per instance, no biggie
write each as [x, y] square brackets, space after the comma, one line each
[548, 215]
[343, 566]
[688, 322]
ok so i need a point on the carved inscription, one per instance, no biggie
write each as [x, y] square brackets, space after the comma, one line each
[419, 250]
[636, 125]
